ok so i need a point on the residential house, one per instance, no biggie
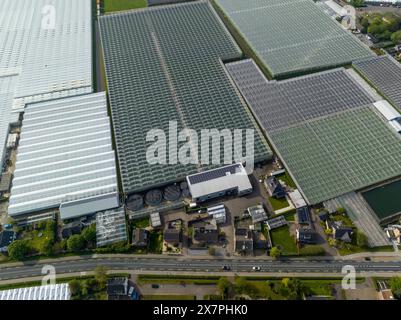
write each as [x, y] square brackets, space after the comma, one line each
[274, 187]
[172, 236]
[6, 238]
[140, 237]
[243, 241]
[117, 289]
[305, 235]
[303, 216]
[205, 233]
[257, 213]
[69, 229]
[342, 233]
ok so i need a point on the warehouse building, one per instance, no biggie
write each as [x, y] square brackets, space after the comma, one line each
[42, 59]
[163, 65]
[65, 159]
[227, 180]
[290, 37]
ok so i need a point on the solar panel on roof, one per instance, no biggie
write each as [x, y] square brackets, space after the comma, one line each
[214, 174]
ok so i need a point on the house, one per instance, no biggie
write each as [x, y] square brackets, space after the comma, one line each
[6, 238]
[323, 215]
[172, 236]
[257, 213]
[71, 228]
[276, 222]
[303, 216]
[243, 241]
[205, 233]
[305, 236]
[117, 289]
[140, 237]
[260, 242]
[274, 187]
[342, 233]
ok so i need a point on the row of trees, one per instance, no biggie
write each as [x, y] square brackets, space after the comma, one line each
[81, 289]
[383, 27]
[289, 288]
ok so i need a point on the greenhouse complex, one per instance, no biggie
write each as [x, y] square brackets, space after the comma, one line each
[177, 108]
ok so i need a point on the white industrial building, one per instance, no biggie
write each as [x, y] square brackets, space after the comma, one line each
[227, 180]
[48, 292]
[65, 158]
[45, 53]
[390, 114]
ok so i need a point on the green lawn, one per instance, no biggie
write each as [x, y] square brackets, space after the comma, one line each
[281, 237]
[168, 297]
[287, 179]
[141, 223]
[119, 5]
[177, 279]
[278, 203]
[156, 242]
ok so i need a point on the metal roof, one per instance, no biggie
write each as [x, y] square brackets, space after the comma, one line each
[39, 63]
[164, 64]
[48, 292]
[325, 129]
[213, 181]
[65, 154]
[110, 227]
[384, 73]
[292, 36]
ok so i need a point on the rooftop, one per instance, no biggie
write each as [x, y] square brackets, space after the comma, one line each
[48, 292]
[65, 154]
[164, 64]
[110, 227]
[292, 36]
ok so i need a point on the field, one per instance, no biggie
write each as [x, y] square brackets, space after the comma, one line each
[119, 5]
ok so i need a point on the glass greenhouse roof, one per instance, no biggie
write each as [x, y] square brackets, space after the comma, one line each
[292, 36]
[164, 64]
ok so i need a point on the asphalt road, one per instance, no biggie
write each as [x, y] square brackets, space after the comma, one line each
[167, 265]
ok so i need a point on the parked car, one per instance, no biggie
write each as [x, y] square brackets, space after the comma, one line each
[226, 268]
[256, 268]
[155, 286]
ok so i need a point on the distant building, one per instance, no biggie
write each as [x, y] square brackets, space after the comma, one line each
[243, 240]
[303, 215]
[172, 236]
[306, 236]
[117, 289]
[205, 233]
[274, 187]
[276, 222]
[6, 238]
[257, 213]
[219, 213]
[227, 180]
[342, 233]
[140, 237]
[155, 220]
[69, 229]
[59, 291]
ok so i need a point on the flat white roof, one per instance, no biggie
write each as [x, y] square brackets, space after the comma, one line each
[217, 180]
[65, 154]
[48, 292]
[45, 53]
[387, 110]
[297, 199]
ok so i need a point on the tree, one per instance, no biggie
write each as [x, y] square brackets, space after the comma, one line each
[224, 286]
[275, 252]
[18, 249]
[75, 288]
[396, 37]
[75, 243]
[340, 210]
[212, 251]
[395, 285]
[89, 234]
[101, 276]
[361, 239]
[357, 3]
[46, 247]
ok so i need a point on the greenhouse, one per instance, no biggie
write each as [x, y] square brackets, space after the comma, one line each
[292, 36]
[164, 64]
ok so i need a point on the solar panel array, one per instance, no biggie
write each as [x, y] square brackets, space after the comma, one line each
[65, 153]
[324, 128]
[292, 36]
[384, 73]
[163, 64]
[280, 104]
[214, 174]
